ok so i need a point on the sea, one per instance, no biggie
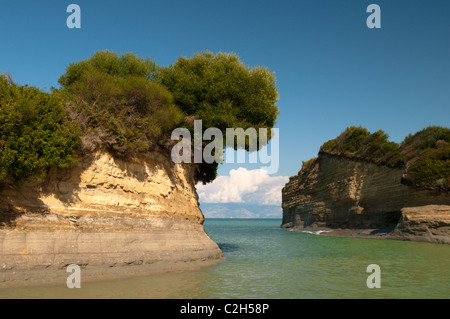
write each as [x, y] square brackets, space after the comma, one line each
[264, 261]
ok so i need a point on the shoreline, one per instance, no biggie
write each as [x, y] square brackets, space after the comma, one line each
[387, 232]
[96, 274]
[380, 232]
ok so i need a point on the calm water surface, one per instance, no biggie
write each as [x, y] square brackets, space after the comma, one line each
[264, 261]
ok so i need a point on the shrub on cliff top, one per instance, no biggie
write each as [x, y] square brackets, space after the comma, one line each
[117, 105]
[224, 93]
[112, 64]
[129, 104]
[35, 133]
[431, 169]
[428, 155]
[309, 164]
[359, 142]
[424, 155]
[424, 139]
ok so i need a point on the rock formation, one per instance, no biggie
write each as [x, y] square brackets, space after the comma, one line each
[341, 192]
[105, 215]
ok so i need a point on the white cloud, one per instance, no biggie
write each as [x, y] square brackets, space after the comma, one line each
[240, 211]
[244, 186]
[217, 211]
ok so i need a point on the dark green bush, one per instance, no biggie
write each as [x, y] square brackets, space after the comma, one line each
[128, 104]
[359, 142]
[424, 155]
[348, 142]
[112, 64]
[431, 169]
[116, 104]
[35, 133]
[222, 91]
[428, 155]
[309, 164]
[414, 144]
[426, 138]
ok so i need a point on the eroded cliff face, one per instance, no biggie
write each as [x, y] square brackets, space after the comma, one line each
[104, 213]
[340, 192]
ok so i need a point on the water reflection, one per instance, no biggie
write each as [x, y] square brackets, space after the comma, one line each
[228, 247]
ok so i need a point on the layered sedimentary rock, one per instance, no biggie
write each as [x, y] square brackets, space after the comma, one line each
[341, 192]
[426, 223]
[103, 214]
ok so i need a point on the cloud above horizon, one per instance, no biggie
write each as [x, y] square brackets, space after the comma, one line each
[244, 186]
[237, 210]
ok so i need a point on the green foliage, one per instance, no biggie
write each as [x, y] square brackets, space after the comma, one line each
[112, 64]
[309, 164]
[35, 133]
[116, 104]
[428, 155]
[128, 104]
[413, 144]
[425, 155]
[222, 91]
[359, 142]
[348, 142]
[206, 173]
[431, 169]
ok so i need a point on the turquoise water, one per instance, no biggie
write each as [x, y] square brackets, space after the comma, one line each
[264, 261]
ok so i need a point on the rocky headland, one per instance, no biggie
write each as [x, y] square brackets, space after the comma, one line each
[86, 175]
[86, 172]
[347, 196]
[112, 217]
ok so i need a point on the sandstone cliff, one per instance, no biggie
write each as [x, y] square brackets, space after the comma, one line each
[341, 192]
[103, 214]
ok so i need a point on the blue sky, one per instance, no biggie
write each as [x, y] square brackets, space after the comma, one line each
[332, 71]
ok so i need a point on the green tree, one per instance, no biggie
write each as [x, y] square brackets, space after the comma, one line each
[35, 133]
[129, 104]
[117, 104]
[112, 64]
[224, 93]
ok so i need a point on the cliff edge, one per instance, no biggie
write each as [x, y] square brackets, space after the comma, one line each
[336, 191]
[110, 216]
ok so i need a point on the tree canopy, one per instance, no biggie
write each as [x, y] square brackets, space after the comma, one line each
[222, 91]
[35, 133]
[109, 63]
[117, 103]
[128, 105]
